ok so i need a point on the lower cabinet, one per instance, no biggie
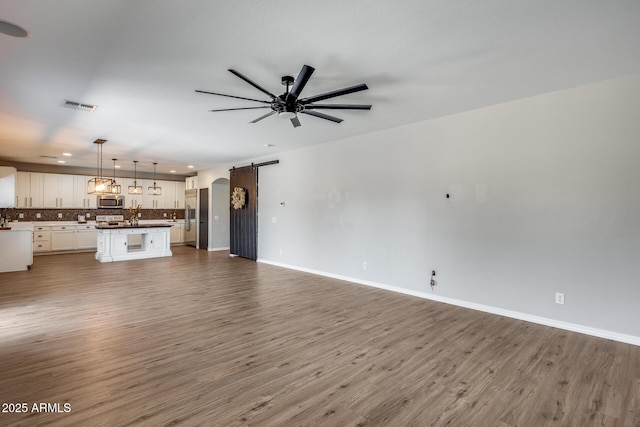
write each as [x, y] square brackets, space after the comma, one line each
[86, 237]
[57, 238]
[177, 234]
[119, 244]
[63, 238]
[41, 239]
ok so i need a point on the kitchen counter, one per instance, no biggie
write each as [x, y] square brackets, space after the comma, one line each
[108, 227]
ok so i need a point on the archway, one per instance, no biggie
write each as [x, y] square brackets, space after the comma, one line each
[219, 232]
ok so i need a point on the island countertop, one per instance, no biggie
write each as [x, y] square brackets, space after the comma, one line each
[125, 226]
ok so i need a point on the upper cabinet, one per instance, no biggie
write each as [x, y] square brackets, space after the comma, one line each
[191, 183]
[81, 199]
[29, 189]
[60, 191]
[173, 195]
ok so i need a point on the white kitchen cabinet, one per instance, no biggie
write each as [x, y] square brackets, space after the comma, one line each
[180, 189]
[81, 199]
[169, 195]
[154, 241]
[41, 238]
[63, 238]
[29, 189]
[58, 191]
[174, 195]
[16, 249]
[119, 244]
[191, 183]
[133, 200]
[177, 234]
[86, 237]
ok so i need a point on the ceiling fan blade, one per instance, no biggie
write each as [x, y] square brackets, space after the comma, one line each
[332, 94]
[234, 109]
[295, 122]
[262, 117]
[257, 86]
[300, 82]
[338, 106]
[233, 96]
[322, 116]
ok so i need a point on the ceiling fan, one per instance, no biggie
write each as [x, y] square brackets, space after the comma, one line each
[289, 104]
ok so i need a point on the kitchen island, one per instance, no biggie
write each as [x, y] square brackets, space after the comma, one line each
[113, 242]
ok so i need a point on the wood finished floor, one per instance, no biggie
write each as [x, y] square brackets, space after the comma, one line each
[205, 339]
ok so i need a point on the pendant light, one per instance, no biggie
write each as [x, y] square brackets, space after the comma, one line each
[115, 188]
[99, 185]
[135, 188]
[155, 190]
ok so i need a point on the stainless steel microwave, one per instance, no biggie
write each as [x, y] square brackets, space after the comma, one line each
[110, 201]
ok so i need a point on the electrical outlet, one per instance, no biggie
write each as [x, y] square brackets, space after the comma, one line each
[38, 215]
[87, 215]
[559, 298]
[21, 216]
[164, 214]
[364, 265]
[59, 215]
[280, 251]
[274, 219]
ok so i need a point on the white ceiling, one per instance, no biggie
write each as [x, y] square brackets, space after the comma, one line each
[140, 62]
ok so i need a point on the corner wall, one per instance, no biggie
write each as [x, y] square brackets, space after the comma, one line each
[544, 198]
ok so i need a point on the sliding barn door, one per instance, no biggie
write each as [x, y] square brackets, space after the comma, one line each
[244, 219]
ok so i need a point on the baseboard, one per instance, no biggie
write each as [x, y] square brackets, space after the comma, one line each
[218, 249]
[587, 330]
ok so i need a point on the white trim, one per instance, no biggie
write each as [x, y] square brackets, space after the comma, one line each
[587, 330]
[218, 249]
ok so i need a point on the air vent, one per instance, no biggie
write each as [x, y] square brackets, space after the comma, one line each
[78, 106]
[48, 157]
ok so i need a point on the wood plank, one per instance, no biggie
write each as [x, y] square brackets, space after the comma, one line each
[205, 339]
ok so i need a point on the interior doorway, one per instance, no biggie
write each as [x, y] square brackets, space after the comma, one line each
[220, 200]
[243, 216]
[203, 219]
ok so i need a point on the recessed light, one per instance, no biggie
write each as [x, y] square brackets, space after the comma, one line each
[191, 166]
[61, 161]
[172, 171]
[117, 166]
[269, 145]
[67, 154]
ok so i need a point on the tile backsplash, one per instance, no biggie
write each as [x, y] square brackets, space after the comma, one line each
[72, 214]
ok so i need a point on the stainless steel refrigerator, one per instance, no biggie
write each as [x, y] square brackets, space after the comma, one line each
[190, 220]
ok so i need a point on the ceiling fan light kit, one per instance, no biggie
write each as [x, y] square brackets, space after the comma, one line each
[289, 104]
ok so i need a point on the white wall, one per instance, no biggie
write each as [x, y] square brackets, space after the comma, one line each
[545, 198]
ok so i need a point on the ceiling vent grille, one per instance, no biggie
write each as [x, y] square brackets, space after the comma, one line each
[79, 106]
